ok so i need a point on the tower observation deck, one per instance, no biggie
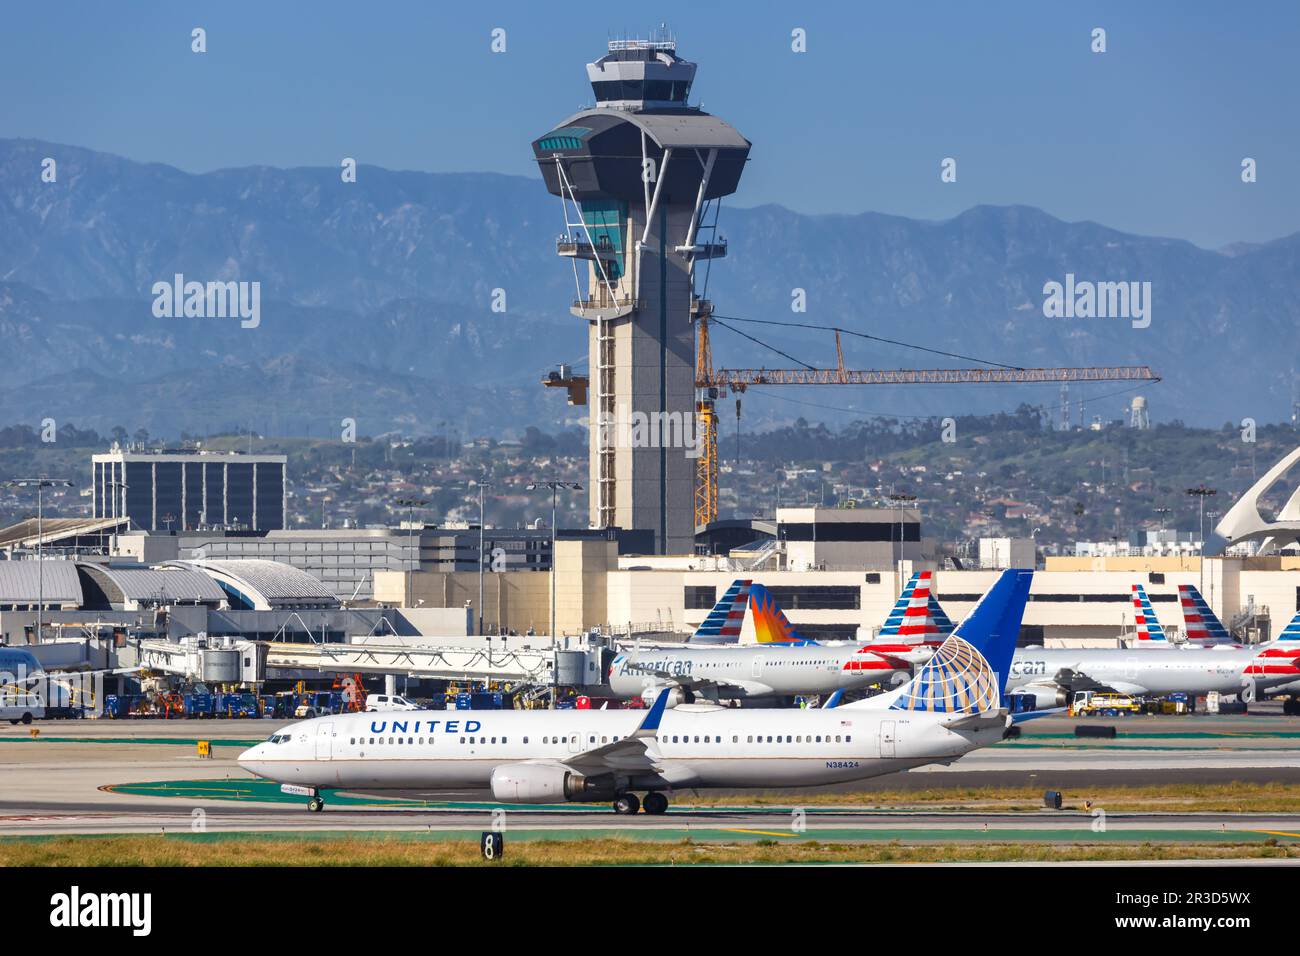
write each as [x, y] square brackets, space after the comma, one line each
[641, 176]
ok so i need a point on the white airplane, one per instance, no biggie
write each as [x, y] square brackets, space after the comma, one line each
[951, 707]
[782, 662]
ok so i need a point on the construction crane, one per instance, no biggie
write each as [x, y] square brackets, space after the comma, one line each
[712, 384]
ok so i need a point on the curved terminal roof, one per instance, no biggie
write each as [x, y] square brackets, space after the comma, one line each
[263, 585]
[55, 582]
[162, 585]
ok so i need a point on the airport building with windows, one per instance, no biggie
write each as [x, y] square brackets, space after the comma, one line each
[184, 491]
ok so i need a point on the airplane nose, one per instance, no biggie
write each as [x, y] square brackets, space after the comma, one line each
[249, 756]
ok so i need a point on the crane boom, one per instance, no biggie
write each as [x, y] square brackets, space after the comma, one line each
[741, 378]
[712, 384]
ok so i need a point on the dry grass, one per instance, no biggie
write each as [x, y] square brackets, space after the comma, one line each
[1233, 797]
[155, 851]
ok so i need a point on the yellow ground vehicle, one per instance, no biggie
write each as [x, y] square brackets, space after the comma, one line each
[1093, 703]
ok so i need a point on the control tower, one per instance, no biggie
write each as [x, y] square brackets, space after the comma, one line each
[641, 176]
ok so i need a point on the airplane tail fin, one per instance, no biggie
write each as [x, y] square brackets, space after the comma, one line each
[723, 624]
[916, 617]
[1200, 623]
[1291, 633]
[1149, 631]
[968, 673]
[770, 623]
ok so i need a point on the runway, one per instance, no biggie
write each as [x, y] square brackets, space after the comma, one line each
[98, 777]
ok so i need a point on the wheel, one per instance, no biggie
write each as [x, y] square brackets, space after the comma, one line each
[627, 803]
[315, 804]
[14, 721]
[27, 718]
[655, 803]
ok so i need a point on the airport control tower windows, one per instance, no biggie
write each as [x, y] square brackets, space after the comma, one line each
[673, 91]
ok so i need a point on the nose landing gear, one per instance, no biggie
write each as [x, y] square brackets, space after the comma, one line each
[315, 804]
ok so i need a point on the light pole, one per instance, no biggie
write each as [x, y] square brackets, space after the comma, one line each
[1164, 514]
[1200, 492]
[482, 486]
[900, 498]
[410, 504]
[555, 487]
[40, 484]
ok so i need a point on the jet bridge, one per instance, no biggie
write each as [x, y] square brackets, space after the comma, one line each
[517, 660]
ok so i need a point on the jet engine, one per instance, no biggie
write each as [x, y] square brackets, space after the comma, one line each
[548, 783]
[677, 695]
[1044, 696]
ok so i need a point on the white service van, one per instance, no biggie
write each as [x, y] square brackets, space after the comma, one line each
[377, 702]
[20, 706]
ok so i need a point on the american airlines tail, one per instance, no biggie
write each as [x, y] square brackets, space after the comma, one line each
[967, 676]
[723, 624]
[1200, 623]
[1149, 631]
[916, 617]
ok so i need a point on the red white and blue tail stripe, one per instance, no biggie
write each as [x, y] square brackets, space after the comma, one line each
[1149, 631]
[1200, 623]
[916, 617]
[724, 622]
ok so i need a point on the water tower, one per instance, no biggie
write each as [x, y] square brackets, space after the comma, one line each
[641, 176]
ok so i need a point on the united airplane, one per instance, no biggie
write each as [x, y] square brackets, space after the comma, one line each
[781, 662]
[951, 707]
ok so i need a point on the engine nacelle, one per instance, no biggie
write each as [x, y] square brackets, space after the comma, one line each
[676, 695]
[1044, 698]
[548, 783]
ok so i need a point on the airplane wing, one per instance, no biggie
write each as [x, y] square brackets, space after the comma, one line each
[1073, 681]
[636, 752]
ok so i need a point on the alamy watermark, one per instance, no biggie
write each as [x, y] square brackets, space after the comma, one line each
[208, 300]
[631, 429]
[1084, 299]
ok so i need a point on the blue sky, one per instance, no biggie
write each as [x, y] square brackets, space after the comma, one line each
[1147, 137]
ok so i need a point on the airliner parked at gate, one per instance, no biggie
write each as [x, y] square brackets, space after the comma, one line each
[782, 662]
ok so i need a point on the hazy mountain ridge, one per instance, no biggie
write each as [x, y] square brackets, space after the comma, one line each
[380, 291]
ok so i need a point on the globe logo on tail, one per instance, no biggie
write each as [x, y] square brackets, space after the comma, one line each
[957, 679]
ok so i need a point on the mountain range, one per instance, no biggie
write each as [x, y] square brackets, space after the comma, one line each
[377, 303]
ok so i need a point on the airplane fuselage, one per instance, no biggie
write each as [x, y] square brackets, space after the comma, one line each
[1143, 670]
[749, 672]
[713, 747]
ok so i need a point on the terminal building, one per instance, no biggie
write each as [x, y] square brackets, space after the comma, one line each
[185, 491]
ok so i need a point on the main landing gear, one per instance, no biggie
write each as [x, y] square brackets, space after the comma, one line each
[655, 803]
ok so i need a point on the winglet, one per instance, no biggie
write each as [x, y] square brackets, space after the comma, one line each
[834, 699]
[650, 725]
